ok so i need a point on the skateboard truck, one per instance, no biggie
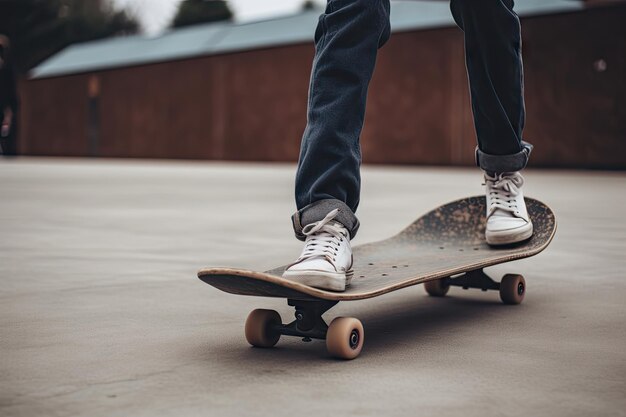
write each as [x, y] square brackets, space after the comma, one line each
[344, 336]
[512, 288]
[474, 279]
[309, 323]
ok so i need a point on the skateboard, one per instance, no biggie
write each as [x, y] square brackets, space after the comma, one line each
[443, 248]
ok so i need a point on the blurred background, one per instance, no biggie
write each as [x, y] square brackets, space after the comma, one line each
[228, 80]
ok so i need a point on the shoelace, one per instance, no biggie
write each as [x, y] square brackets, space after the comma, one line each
[503, 188]
[323, 238]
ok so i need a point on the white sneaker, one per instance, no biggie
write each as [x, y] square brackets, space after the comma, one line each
[507, 217]
[326, 259]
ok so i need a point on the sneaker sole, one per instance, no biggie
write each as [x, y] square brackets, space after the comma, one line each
[319, 279]
[506, 237]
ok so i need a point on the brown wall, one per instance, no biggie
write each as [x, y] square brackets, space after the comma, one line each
[252, 105]
[54, 117]
[418, 110]
[576, 113]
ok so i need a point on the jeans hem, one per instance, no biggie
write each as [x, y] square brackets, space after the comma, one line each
[504, 163]
[316, 211]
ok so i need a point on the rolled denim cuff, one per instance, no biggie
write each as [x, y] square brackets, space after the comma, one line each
[316, 211]
[504, 163]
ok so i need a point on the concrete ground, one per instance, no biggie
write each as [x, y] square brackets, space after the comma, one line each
[101, 313]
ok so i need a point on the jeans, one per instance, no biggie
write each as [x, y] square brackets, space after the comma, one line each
[347, 39]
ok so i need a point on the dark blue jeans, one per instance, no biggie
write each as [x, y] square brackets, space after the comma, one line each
[347, 39]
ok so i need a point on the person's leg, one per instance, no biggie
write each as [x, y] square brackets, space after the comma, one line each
[494, 65]
[8, 146]
[347, 38]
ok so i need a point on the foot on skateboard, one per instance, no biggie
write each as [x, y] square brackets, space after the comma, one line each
[326, 259]
[507, 216]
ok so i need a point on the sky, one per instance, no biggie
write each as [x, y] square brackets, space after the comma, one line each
[154, 15]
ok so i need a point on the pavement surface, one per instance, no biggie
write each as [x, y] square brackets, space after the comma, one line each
[101, 313]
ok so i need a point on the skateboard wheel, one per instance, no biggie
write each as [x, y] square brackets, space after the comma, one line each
[260, 330]
[437, 287]
[512, 289]
[345, 338]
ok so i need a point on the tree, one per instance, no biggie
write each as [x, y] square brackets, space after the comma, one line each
[40, 28]
[193, 12]
[309, 5]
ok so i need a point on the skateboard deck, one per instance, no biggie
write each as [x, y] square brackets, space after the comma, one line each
[441, 248]
[444, 242]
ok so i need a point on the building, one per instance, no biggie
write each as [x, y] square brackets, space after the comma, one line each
[238, 91]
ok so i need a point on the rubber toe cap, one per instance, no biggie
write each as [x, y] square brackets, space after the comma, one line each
[498, 224]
